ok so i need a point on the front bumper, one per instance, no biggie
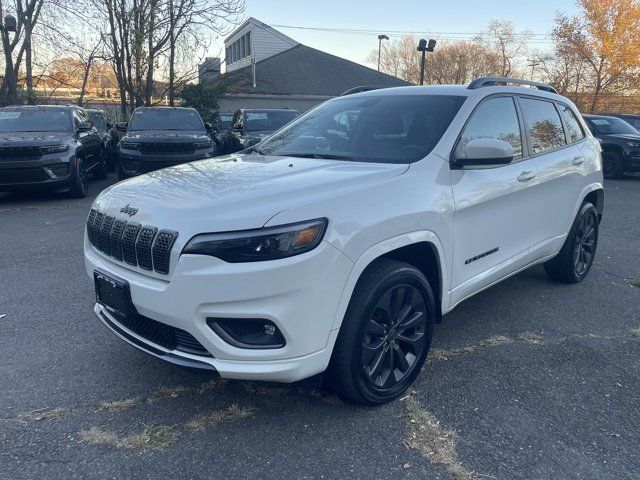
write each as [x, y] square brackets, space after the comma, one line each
[50, 172]
[136, 163]
[299, 294]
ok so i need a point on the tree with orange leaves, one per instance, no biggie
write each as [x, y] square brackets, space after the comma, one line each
[606, 39]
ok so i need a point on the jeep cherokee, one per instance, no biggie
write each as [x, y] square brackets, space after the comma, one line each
[336, 244]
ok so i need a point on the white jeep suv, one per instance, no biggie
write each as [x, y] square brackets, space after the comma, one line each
[336, 243]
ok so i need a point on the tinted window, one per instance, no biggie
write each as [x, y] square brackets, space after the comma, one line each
[98, 120]
[611, 125]
[270, 121]
[224, 121]
[572, 123]
[543, 123]
[165, 119]
[382, 128]
[494, 118]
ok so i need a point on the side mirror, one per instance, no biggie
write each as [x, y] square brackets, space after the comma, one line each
[84, 127]
[121, 126]
[485, 152]
[237, 126]
[209, 127]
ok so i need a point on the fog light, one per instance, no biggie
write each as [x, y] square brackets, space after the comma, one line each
[251, 333]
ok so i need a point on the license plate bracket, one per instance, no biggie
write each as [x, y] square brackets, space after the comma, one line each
[113, 294]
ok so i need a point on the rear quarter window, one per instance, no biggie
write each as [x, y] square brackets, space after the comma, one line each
[543, 125]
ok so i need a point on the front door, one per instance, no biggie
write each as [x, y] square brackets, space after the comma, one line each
[494, 206]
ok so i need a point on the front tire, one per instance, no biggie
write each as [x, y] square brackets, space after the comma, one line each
[80, 182]
[385, 335]
[574, 261]
[121, 174]
[612, 165]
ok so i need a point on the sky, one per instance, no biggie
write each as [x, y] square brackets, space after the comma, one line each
[452, 19]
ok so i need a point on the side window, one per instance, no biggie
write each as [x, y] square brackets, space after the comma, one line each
[572, 123]
[543, 124]
[494, 118]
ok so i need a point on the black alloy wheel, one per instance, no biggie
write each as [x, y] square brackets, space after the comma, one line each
[585, 243]
[394, 337]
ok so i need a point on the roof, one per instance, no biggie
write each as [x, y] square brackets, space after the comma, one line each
[233, 35]
[303, 70]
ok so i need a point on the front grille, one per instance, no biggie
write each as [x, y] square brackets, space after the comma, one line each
[166, 148]
[132, 243]
[22, 175]
[166, 336]
[19, 152]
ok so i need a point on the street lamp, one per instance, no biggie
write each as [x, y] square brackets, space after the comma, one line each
[425, 47]
[9, 25]
[380, 38]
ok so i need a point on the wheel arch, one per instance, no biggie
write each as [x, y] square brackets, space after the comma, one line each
[421, 249]
[596, 197]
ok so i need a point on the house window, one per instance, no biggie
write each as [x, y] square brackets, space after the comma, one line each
[248, 43]
[243, 47]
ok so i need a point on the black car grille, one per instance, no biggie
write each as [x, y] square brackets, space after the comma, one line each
[23, 175]
[130, 242]
[19, 152]
[166, 148]
[166, 336]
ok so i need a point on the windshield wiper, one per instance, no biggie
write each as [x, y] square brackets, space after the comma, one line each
[326, 156]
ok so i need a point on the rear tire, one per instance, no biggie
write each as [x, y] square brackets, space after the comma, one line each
[574, 261]
[612, 166]
[80, 182]
[101, 170]
[385, 335]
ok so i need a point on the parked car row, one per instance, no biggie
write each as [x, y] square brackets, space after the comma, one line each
[60, 147]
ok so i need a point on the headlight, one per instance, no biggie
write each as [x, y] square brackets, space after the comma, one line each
[129, 145]
[634, 144]
[262, 244]
[54, 149]
[201, 145]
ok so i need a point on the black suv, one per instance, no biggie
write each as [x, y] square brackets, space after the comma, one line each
[108, 136]
[159, 137]
[48, 147]
[250, 125]
[620, 144]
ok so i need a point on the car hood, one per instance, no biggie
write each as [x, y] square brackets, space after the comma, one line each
[235, 192]
[33, 138]
[166, 136]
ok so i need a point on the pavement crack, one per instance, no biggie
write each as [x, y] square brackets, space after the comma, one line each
[433, 441]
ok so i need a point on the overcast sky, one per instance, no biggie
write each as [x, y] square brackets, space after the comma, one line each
[444, 19]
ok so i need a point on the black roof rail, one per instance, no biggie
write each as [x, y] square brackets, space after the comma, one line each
[489, 81]
[361, 88]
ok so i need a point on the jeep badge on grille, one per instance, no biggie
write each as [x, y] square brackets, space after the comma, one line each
[131, 211]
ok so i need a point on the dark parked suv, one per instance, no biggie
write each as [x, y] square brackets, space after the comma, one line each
[48, 147]
[250, 125]
[620, 144]
[159, 137]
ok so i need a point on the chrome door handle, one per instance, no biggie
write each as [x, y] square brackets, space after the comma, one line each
[577, 161]
[526, 176]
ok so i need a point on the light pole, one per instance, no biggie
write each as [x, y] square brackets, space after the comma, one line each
[380, 38]
[425, 47]
[9, 25]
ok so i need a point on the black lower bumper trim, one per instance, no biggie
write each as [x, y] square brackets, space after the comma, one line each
[145, 347]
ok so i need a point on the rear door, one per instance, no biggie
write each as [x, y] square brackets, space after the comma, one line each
[556, 138]
[494, 206]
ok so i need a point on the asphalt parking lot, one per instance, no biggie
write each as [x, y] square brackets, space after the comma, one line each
[529, 379]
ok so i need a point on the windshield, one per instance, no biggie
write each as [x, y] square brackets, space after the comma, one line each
[385, 128]
[98, 120]
[267, 121]
[165, 119]
[224, 120]
[35, 120]
[612, 126]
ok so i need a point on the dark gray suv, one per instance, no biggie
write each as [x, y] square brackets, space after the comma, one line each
[48, 147]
